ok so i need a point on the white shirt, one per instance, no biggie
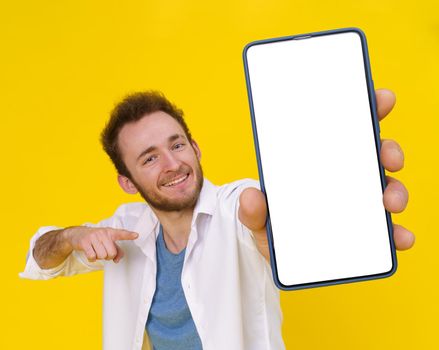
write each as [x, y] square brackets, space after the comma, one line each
[227, 283]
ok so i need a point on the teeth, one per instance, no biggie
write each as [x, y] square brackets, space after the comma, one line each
[176, 181]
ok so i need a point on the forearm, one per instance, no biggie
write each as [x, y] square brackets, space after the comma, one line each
[252, 213]
[262, 243]
[52, 248]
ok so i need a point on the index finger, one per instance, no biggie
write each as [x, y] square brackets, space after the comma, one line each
[123, 235]
[386, 100]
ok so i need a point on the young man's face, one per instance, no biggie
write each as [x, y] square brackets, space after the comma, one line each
[164, 166]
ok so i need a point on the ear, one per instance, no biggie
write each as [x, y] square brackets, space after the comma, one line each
[196, 149]
[126, 184]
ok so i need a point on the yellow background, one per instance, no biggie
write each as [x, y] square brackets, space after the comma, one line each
[64, 65]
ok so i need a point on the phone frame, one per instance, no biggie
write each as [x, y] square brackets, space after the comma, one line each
[376, 129]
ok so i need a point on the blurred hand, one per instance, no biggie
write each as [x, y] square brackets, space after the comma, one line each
[395, 194]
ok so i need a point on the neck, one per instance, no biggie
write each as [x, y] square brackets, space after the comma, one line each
[176, 228]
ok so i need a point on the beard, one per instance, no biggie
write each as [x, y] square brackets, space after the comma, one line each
[162, 203]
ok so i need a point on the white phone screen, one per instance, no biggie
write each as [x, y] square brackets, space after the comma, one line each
[319, 158]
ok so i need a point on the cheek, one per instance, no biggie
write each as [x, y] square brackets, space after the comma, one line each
[191, 159]
[151, 178]
[147, 177]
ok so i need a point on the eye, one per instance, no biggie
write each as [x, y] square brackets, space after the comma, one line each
[149, 160]
[178, 144]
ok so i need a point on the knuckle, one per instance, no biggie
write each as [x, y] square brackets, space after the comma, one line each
[111, 253]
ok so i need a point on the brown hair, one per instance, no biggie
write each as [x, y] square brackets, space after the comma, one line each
[131, 109]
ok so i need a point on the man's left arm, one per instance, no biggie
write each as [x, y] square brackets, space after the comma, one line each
[253, 209]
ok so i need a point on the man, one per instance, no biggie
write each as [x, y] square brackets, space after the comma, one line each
[191, 265]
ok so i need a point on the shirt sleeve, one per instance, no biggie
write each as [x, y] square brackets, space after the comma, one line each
[245, 235]
[75, 263]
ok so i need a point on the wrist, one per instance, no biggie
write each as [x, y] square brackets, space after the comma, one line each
[66, 240]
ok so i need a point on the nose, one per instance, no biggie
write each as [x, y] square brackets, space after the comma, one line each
[171, 163]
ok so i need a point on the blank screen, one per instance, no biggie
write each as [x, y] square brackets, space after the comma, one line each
[319, 159]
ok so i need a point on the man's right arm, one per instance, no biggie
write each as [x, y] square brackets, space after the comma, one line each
[54, 247]
[56, 251]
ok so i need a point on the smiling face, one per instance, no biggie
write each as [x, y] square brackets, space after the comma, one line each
[164, 166]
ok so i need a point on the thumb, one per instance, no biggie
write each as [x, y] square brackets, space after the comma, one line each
[253, 209]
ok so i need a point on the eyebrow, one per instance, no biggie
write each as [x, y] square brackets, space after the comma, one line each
[153, 148]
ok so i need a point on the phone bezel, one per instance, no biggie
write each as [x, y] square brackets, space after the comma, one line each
[376, 129]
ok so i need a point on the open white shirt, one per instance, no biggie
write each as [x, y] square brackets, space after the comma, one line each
[227, 283]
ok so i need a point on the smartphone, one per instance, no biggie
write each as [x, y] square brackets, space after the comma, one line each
[317, 142]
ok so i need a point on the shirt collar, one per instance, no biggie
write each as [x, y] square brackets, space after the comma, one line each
[148, 222]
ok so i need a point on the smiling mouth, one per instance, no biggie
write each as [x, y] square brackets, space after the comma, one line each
[176, 181]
